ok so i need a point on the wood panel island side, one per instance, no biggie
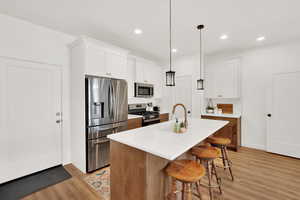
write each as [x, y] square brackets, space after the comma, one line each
[138, 157]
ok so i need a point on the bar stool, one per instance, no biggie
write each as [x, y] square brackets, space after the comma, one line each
[206, 155]
[222, 144]
[188, 172]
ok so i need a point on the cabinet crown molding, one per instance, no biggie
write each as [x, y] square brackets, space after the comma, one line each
[87, 41]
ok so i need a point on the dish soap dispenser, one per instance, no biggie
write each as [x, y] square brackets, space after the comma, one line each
[176, 126]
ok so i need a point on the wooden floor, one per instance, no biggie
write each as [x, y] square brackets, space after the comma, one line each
[259, 176]
[74, 188]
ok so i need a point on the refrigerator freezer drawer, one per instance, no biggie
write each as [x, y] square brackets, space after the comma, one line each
[98, 153]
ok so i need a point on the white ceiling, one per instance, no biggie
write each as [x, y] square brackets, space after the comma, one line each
[114, 20]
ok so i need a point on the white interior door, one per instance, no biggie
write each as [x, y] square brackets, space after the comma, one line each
[183, 94]
[30, 104]
[283, 136]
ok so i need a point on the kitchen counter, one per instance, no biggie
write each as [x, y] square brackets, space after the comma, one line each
[234, 115]
[139, 157]
[134, 116]
[160, 140]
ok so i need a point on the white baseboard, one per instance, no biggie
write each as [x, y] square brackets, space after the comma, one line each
[255, 146]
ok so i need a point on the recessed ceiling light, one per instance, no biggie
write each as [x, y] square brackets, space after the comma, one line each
[261, 38]
[174, 50]
[138, 31]
[224, 37]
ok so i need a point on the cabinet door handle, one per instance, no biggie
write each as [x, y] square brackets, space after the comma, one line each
[269, 115]
[220, 95]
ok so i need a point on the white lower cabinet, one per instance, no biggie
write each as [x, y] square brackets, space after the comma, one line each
[223, 79]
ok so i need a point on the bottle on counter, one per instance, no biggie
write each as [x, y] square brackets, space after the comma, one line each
[175, 125]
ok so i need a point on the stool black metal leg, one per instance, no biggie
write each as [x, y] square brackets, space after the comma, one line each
[228, 163]
[218, 179]
[209, 180]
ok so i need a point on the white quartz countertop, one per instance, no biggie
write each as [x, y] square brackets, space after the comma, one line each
[234, 115]
[134, 116]
[160, 140]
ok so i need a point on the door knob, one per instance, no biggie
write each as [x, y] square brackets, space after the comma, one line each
[269, 115]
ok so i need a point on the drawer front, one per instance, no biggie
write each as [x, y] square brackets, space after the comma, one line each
[232, 121]
[164, 117]
[134, 123]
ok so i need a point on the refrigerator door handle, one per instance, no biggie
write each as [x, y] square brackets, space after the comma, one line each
[112, 98]
[109, 100]
[101, 142]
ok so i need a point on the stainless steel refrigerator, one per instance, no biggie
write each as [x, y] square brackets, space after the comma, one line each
[106, 113]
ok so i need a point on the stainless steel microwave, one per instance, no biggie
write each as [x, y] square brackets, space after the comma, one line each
[143, 90]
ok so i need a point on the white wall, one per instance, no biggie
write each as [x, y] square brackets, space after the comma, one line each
[257, 65]
[24, 40]
[184, 66]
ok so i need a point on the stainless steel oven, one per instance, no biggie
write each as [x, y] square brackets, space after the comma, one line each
[143, 90]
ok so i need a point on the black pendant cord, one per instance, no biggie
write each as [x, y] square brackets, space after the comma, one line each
[170, 26]
[200, 27]
[200, 55]
[200, 81]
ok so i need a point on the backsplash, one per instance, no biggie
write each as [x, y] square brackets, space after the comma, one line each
[155, 102]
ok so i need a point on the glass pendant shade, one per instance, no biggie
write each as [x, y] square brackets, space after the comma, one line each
[200, 84]
[170, 78]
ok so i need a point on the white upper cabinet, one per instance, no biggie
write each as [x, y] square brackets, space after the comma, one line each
[149, 72]
[116, 65]
[157, 81]
[95, 61]
[142, 72]
[131, 71]
[100, 59]
[223, 79]
[146, 72]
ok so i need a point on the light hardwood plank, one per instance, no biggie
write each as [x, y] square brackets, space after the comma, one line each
[259, 176]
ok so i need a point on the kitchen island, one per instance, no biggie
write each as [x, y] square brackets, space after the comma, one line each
[138, 157]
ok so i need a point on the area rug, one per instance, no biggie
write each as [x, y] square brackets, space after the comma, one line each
[100, 181]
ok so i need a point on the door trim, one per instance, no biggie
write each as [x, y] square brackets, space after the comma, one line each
[47, 66]
[269, 101]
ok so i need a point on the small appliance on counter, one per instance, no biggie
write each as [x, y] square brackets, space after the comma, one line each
[147, 111]
[156, 108]
[106, 113]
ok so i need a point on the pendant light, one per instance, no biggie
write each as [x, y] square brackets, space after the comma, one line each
[200, 81]
[170, 75]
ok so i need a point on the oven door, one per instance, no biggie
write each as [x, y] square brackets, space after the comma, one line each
[143, 90]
